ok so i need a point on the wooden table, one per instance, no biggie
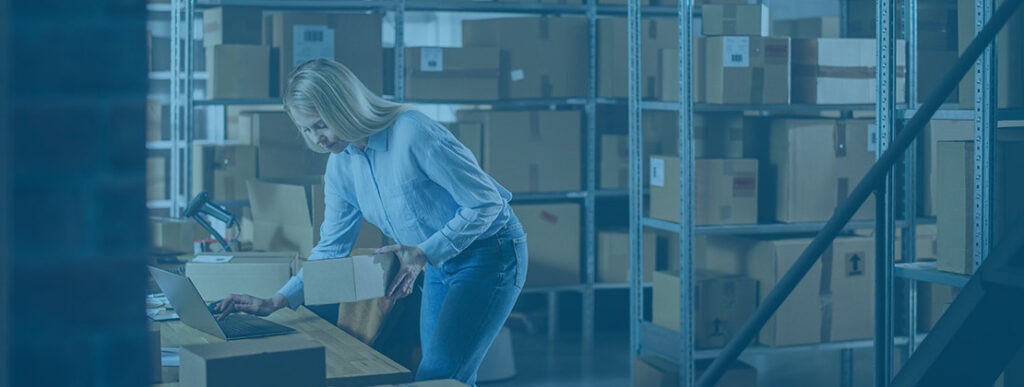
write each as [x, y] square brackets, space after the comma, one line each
[350, 362]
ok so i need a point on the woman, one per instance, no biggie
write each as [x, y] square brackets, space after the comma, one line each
[409, 176]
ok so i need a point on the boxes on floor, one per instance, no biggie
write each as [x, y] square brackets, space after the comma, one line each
[613, 264]
[654, 371]
[553, 236]
[287, 214]
[725, 190]
[817, 162]
[217, 275]
[349, 279]
[841, 71]
[556, 74]
[723, 303]
[551, 138]
[255, 362]
[430, 73]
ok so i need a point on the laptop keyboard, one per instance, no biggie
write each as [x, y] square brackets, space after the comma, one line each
[244, 325]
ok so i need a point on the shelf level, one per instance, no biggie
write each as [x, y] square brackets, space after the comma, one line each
[431, 6]
[774, 109]
[928, 272]
[757, 229]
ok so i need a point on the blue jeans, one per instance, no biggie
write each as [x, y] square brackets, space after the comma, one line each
[466, 302]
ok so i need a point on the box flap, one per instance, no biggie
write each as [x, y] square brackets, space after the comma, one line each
[286, 200]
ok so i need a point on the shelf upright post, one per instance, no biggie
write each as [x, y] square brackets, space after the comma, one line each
[686, 288]
[188, 115]
[884, 211]
[910, 171]
[177, 8]
[636, 180]
[399, 50]
[590, 200]
[985, 123]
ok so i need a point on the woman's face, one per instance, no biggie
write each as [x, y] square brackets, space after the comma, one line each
[317, 131]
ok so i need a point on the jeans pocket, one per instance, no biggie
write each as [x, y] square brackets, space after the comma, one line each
[522, 260]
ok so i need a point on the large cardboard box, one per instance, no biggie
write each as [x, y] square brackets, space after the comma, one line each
[654, 371]
[725, 190]
[156, 178]
[807, 28]
[232, 25]
[613, 47]
[841, 71]
[553, 235]
[349, 38]
[431, 73]
[817, 162]
[834, 300]
[938, 130]
[745, 70]
[287, 214]
[349, 279]
[551, 138]
[932, 302]
[668, 73]
[237, 71]
[282, 150]
[218, 275]
[255, 363]
[176, 233]
[613, 264]
[1009, 57]
[722, 304]
[223, 170]
[557, 73]
[736, 20]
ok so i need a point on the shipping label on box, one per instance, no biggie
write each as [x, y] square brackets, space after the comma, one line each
[255, 363]
[217, 276]
[350, 279]
[311, 42]
[342, 37]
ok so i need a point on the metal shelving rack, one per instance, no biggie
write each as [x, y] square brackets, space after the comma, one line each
[647, 338]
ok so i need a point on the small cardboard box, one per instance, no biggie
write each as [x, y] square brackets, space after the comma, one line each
[723, 303]
[736, 20]
[841, 71]
[745, 70]
[176, 234]
[223, 170]
[349, 279]
[238, 71]
[258, 274]
[232, 25]
[613, 264]
[725, 190]
[432, 71]
[553, 235]
[255, 363]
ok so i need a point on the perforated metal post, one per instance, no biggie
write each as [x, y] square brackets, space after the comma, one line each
[884, 212]
[636, 197]
[399, 50]
[590, 200]
[984, 136]
[177, 8]
[686, 283]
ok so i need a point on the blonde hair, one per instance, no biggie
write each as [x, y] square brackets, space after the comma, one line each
[329, 89]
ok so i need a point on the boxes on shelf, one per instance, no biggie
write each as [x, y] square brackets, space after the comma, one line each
[613, 264]
[613, 47]
[807, 28]
[614, 168]
[932, 301]
[554, 238]
[938, 130]
[654, 371]
[552, 138]
[233, 130]
[557, 73]
[287, 214]
[841, 71]
[817, 162]
[723, 135]
[736, 20]
[722, 304]
[157, 119]
[223, 170]
[1009, 55]
[431, 73]
[255, 362]
[349, 38]
[218, 275]
[282, 152]
[349, 279]
[725, 190]
[232, 25]
[176, 234]
[936, 64]
[238, 71]
[744, 70]
[159, 52]
[156, 178]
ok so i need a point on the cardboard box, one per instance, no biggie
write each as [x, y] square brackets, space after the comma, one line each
[258, 274]
[158, 115]
[841, 71]
[176, 233]
[613, 264]
[668, 73]
[232, 25]
[745, 70]
[237, 128]
[736, 20]
[938, 130]
[430, 73]
[725, 190]
[817, 163]
[237, 71]
[282, 150]
[470, 134]
[255, 363]
[558, 73]
[551, 138]
[612, 52]
[932, 302]
[287, 214]
[614, 168]
[349, 38]
[834, 301]
[156, 178]
[654, 371]
[350, 279]
[807, 28]
[223, 170]
[723, 136]
[553, 232]
[722, 305]
[1009, 58]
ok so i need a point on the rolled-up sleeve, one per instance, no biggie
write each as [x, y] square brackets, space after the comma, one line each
[449, 164]
[338, 234]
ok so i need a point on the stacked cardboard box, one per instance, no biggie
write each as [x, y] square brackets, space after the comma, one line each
[807, 28]
[237, 65]
[430, 73]
[841, 71]
[725, 190]
[260, 274]
[736, 20]
[254, 362]
[743, 70]
[281, 150]
[554, 243]
[656, 35]
[816, 164]
[723, 304]
[223, 170]
[525, 74]
[613, 256]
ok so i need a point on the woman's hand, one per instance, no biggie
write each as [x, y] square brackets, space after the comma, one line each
[412, 261]
[250, 304]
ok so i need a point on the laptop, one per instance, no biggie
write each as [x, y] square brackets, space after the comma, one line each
[195, 313]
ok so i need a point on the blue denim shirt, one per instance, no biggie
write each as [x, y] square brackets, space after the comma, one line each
[418, 184]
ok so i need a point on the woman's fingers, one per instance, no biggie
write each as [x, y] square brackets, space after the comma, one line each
[389, 249]
[397, 283]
